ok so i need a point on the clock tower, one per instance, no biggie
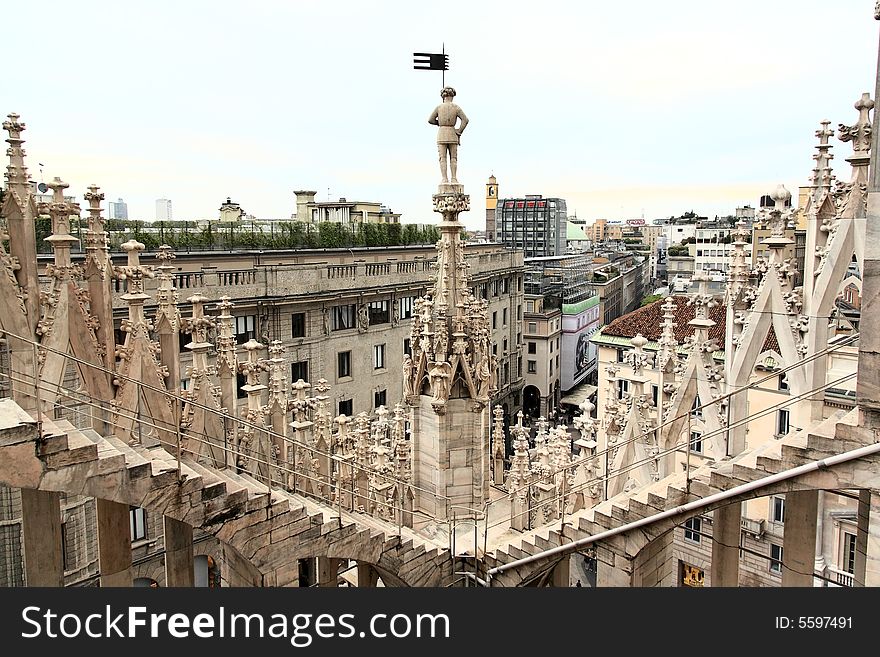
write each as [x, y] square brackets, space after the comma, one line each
[491, 204]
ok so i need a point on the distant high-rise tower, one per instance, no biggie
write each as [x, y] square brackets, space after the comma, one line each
[163, 209]
[118, 209]
[491, 204]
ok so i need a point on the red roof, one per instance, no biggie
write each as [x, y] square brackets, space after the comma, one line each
[649, 322]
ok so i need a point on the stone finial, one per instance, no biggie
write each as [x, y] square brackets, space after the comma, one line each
[498, 433]
[637, 358]
[859, 133]
[668, 344]
[227, 361]
[780, 197]
[96, 243]
[16, 172]
[165, 254]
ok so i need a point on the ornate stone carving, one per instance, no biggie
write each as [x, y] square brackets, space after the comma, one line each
[451, 203]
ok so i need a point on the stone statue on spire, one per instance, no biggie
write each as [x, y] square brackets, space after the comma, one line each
[446, 115]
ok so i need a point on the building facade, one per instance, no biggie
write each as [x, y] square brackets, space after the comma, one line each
[163, 209]
[535, 224]
[118, 209]
[342, 211]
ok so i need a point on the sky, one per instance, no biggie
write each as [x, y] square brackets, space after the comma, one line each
[625, 109]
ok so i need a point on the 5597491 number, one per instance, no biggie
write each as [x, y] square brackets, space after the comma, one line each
[814, 622]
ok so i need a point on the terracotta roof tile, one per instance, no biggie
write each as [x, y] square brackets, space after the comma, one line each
[649, 322]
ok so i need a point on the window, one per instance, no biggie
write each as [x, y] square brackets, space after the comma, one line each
[184, 384]
[299, 371]
[378, 311]
[620, 357]
[519, 311]
[848, 553]
[379, 357]
[781, 422]
[240, 381]
[137, 519]
[775, 558]
[407, 346]
[655, 395]
[406, 307]
[68, 555]
[504, 317]
[494, 348]
[298, 325]
[692, 529]
[504, 347]
[533, 327]
[777, 509]
[533, 347]
[379, 398]
[551, 368]
[533, 367]
[783, 382]
[696, 410]
[346, 408]
[343, 364]
[551, 346]
[530, 306]
[342, 317]
[697, 442]
[622, 386]
[494, 319]
[244, 328]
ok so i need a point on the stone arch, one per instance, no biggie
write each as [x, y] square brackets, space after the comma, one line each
[531, 400]
[145, 582]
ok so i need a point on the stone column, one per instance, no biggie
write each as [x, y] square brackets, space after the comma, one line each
[726, 529]
[799, 542]
[867, 572]
[328, 571]
[41, 530]
[179, 566]
[562, 572]
[114, 543]
[367, 575]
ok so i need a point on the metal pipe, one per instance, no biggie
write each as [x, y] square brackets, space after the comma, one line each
[692, 506]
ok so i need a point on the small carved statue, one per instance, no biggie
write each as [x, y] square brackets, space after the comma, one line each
[445, 115]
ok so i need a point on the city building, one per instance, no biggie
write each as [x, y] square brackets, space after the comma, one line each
[535, 224]
[117, 209]
[542, 347]
[563, 283]
[163, 209]
[342, 211]
[230, 212]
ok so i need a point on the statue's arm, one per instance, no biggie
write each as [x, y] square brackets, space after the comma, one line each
[434, 119]
[464, 122]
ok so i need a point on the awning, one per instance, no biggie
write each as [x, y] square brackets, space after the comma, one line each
[578, 394]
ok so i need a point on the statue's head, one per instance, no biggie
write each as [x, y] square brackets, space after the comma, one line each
[447, 92]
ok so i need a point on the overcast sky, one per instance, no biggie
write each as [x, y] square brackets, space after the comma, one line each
[622, 108]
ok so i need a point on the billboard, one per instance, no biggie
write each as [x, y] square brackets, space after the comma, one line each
[579, 322]
[635, 222]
